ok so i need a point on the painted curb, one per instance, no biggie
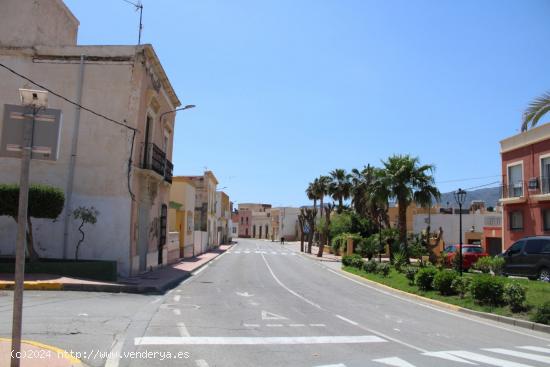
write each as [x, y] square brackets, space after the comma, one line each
[502, 319]
[34, 286]
[58, 351]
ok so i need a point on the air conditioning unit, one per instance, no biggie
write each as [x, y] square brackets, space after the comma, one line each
[533, 183]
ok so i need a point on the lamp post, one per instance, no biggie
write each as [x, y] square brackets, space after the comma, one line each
[460, 196]
[176, 110]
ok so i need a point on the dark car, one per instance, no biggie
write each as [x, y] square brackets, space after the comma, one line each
[528, 257]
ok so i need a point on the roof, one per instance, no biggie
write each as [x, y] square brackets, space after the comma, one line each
[159, 70]
[531, 136]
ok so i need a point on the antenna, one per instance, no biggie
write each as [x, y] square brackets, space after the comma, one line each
[138, 6]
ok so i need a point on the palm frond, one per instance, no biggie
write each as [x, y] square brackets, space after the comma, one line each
[536, 109]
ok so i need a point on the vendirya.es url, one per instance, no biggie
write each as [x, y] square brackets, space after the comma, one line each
[97, 354]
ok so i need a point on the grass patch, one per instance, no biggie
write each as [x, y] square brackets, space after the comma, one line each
[537, 292]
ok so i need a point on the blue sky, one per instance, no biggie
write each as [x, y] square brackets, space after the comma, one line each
[287, 90]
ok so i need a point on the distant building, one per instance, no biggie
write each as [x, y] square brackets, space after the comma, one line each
[526, 184]
[181, 215]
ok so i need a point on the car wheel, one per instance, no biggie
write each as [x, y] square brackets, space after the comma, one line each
[544, 274]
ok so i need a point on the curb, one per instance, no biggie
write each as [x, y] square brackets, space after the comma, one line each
[502, 319]
[110, 288]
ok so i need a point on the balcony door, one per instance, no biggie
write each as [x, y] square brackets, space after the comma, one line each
[515, 180]
[545, 175]
[148, 128]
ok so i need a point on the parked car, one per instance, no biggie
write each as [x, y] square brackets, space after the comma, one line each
[470, 254]
[528, 257]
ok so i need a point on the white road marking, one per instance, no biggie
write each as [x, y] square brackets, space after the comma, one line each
[447, 356]
[177, 298]
[287, 340]
[455, 314]
[536, 349]
[284, 253]
[296, 325]
[274, 252]
[251, 325]
[247, 252]
[114, 354]
[333, 365]
[183, 329]
[244, 294]
[176, 311]
[288, 289]
[317, 325]
[201, 269]
[237, 252]
[396, 329]
[82, 314]
[394, 361]
[476, 357]
[513, 353]
[274, 325]
[201, 363]
[347, 320]
[272, 316]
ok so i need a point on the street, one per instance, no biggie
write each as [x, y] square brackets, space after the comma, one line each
[262, 304]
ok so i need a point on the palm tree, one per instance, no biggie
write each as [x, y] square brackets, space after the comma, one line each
[322, 189]
[311, 192]
[340, 187]
[404, 180]
[538, 108]
[362, 185]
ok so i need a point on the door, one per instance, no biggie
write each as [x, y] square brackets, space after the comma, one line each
[512, 257]
[162, 236]
[143, 236]
[545, 175]
[532, 255]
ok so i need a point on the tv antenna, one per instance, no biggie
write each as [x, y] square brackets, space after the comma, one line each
[138, 6]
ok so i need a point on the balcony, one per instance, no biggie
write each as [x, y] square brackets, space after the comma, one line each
[154, 159]
[513, 193]
[539, 188]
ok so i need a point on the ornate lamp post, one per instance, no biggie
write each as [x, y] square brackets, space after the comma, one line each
[460, 197]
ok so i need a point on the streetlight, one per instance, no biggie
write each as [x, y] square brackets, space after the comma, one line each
[460, 196]
[176, 110]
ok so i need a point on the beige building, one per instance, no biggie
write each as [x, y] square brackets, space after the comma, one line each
[205, 236]
[223, 214]
[181, 215]
[125, 83]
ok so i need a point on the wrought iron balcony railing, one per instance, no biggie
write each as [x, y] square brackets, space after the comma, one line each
[155, 159]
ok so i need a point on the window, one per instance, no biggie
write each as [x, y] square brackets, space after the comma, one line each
[472, 250]
[516, 221]
[546, 219]
[535, 246]
[545, 175]
[242, 220]
[515, 248]
[515, 180]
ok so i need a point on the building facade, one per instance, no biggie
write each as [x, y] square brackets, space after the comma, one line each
[181, 215]
[126, 83]
[526, 184]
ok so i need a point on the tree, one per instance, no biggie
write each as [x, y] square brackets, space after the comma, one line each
[84, 215]
[326, 228]
[309, 216]
[340, 187]
[45, 202]
[536, 109]
[311, 192]
[302, 222]
[404, 180]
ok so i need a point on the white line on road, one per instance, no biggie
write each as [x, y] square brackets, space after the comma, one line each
[347, 320]
[296, 325]
[201, 269]
[176, 311]
[513, 353]
[114, 354]
[448, 356]
[317, 325]
[183, 329]
[288, 289]
[201, 363]
[290, 340]
[251, 325]
[476, 357]
[177, 298]
[536, 349]
[394, 361]
[274, 325]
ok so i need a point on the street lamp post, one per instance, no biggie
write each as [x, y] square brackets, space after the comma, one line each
[176, 110]
[460, 196]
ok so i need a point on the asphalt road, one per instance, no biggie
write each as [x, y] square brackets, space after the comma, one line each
[261, 304]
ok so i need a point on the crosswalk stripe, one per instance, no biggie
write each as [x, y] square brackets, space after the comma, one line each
[394, 361]
[485, 359]
[536, 349]
[513, 353]
[448, 356]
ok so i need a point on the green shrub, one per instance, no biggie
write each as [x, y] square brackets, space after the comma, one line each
[370, 266]
[455, 262]
[346, 259]
[368, 246]
[460, 285]
[425, 277]
[383, 269]
[484, 264]
[515, 296]
[410, 273]
[497, 265]
[44, 201]
[357, 262]
[542, 315]
[400, 258]
[487, 290]
[443, 281]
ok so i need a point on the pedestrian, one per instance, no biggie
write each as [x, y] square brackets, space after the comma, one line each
[282, 240]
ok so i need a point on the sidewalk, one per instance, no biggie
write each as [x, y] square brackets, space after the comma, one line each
[37, 354]
[157, 281]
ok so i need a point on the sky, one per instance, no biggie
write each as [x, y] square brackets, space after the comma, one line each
[287, 90]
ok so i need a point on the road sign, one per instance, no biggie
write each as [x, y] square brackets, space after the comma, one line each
[45, 136]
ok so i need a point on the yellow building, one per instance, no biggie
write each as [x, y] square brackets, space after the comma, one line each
[181, 214]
